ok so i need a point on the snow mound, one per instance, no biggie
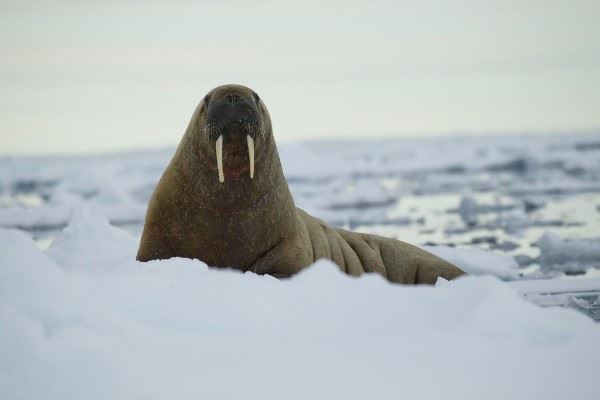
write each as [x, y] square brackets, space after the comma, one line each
[178, 329]
[90, 243]
[568, 255]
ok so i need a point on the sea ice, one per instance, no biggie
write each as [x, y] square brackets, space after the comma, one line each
[568, 255]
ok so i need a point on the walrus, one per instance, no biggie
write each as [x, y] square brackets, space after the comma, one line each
[223, 199]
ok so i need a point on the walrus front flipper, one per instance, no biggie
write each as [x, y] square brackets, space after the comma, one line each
[153, 248]
[356, 253]
[423, 266]
[399, 262]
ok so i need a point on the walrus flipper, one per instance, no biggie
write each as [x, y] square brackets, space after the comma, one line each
[357, 253]
[153, 248]
[404, 261]
[398, 261]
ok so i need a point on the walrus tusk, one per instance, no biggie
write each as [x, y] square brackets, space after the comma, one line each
[251, 154]
[219, 146]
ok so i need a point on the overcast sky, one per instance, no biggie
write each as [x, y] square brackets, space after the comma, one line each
[91, 76]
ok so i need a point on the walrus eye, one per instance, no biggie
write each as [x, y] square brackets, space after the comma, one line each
[206, 100]
[256, 98]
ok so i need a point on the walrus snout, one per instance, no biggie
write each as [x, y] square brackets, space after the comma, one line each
[233, 116]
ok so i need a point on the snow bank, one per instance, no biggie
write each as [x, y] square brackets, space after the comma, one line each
[84, 321]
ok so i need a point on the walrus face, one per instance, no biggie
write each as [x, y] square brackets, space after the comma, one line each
[234, 120]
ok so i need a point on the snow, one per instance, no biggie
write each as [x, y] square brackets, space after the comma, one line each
[575, 255]
[478, 262]
[115, 328]
[74, 250]
[579, 294]
[79, 318]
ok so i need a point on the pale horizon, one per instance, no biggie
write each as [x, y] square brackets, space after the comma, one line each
[105, 77]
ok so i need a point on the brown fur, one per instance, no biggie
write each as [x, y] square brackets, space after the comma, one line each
[253, 224]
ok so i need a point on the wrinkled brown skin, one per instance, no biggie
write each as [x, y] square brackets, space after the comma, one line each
[253, 224]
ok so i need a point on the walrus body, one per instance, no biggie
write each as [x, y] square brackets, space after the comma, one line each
[224, 203]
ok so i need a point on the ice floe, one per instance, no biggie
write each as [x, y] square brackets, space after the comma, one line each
[568, 255]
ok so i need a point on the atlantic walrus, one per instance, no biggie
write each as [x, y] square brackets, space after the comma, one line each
[223, 199]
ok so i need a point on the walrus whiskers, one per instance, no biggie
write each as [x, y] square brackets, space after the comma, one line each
[251, 154]
[219, 149]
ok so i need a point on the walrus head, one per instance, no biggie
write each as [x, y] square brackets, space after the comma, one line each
[234, 122]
